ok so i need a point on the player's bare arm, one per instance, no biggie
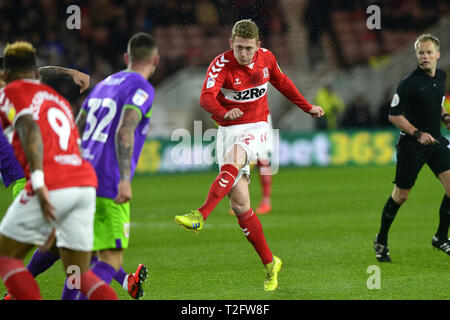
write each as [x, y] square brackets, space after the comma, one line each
[124, 148]
[403, 124]
[31, 140]
[50, 72]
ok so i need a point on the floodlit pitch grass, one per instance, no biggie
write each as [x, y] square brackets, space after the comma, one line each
[322, 227]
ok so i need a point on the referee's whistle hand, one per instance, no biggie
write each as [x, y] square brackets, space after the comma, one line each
[427, 139]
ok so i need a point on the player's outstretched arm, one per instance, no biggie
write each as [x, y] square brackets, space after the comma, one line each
[124, 148]
[31, 140]
[50, 72]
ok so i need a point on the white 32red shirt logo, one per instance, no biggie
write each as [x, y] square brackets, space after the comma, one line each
[247, 95]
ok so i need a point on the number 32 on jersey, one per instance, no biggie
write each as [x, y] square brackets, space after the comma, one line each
[96, 130]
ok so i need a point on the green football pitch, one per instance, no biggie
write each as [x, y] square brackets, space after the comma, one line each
[322, 227]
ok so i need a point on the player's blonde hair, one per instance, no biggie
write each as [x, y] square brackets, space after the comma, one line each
[246, 29]
[19, 48]
[19, 56]
[424, 38]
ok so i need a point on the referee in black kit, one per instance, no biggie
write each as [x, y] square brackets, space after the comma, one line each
[417, 110]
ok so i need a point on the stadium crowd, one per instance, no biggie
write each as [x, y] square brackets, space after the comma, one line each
[183, 27]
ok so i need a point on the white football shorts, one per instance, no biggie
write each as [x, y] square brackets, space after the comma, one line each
[252, 137]
[75, 209]
[265, 153]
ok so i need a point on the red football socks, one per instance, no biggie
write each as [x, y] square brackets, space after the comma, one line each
[93, 288]
[219, 189]
[266, 181]
[252, 228]
[18, 280]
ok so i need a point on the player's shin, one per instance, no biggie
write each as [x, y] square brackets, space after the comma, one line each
[387, 217]
[94, 288]
[104, 271]
[252, 228]
[265, 175]
[41, 261]
[69, 290]
[219, 189]
[444, 218]
[18, 280]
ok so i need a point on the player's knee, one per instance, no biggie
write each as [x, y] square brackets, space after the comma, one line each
[239, 208]
[400, 197]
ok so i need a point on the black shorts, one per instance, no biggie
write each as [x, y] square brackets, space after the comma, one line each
[411, 156]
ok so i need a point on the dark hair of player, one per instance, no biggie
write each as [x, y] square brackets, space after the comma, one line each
[141, 46]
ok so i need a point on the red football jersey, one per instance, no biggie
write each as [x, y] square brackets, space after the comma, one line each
[230, 85]
[62, 161]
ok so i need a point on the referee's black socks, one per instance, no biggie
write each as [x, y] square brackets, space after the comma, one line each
[387, 217]
[444, 219]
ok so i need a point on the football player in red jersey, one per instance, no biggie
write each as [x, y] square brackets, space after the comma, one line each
[60, 191]
[235, 93]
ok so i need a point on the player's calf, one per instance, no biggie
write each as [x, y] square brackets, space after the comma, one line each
[94, 288]
[18, 280]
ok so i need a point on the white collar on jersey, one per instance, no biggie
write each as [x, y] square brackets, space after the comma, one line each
[251, 65]
[37, 81]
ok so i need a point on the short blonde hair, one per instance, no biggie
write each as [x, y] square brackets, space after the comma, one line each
[19, 48]
[246, 29]
[19, 56]
[424, 38]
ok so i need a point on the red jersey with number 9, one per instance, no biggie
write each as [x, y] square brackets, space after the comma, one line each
[63, 165]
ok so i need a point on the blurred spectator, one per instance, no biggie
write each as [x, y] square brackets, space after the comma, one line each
[316, 19]
[447, 95]
[447, 102]
[332, 104]
[383, 111]
[357, 115]
[107, 24]
[206, 14]
[401, 21]
[226, 15]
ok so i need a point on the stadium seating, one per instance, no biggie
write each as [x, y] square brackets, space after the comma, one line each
[184, 42]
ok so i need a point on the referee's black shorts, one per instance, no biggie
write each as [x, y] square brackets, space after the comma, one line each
[411, 156]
